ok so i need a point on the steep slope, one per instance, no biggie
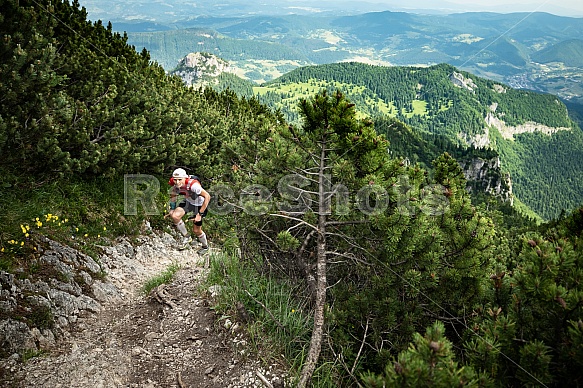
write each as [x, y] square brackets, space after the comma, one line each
[569, 52]
[481, 166]
[109, 334]
[532, 132]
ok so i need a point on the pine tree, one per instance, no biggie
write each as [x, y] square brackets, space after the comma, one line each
[428, 362]
[530, 331]
[312, 171]
[29, 93]
[432, 261]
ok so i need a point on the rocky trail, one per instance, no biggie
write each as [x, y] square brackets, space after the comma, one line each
[113, 335]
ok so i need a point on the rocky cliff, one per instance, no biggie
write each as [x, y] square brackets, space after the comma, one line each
[198, 69]
[64, 286]
[485, 175]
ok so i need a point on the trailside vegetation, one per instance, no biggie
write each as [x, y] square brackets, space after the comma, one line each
[361, 267]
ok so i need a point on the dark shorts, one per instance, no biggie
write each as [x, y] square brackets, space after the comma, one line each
[190, 208]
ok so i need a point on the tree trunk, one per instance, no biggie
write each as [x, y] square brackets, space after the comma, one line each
[321, 282]
[318, 330]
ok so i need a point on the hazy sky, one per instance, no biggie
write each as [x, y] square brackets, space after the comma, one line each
[563, 7]
[526, 5]
[572, 8]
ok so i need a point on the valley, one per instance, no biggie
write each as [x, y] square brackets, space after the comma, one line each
[540, 52]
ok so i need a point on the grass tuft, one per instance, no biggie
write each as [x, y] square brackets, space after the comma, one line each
[279, 324]
[164, 278]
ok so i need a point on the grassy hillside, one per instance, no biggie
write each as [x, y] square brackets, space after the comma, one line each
[429, 96]
[444, 101]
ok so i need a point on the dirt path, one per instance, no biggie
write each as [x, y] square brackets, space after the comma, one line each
[174, 340]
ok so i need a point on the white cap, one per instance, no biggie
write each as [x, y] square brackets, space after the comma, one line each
[179, 173]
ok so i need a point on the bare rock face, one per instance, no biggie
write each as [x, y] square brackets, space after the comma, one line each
[486, 176]
[37, 308]
[66, 285]
[196, 68]
[459, 80]
[213, 64]
[508, 131]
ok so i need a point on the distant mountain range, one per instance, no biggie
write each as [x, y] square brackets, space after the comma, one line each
[174, 12]
[537, 51]
[569, 53]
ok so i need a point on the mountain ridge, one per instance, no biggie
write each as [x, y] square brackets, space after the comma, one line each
[496, 46]
[469, 110]
[569, 52]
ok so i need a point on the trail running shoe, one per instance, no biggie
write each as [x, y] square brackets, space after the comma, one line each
[186, 240]
[203, 250]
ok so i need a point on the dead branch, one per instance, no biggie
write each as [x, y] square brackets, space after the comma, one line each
[361, 346]
[305, 243]
[339, 280]
[162, 296]
[333, 223]
[263, 380]
[305, 268]
[299, 220]
[180, 382]
[340, 359]
[258, 230]
[347, 256]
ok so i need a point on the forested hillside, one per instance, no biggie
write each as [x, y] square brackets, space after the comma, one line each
[468, 110]
[95, 106]
[351, 265]
[569, 52]
[443, 92]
